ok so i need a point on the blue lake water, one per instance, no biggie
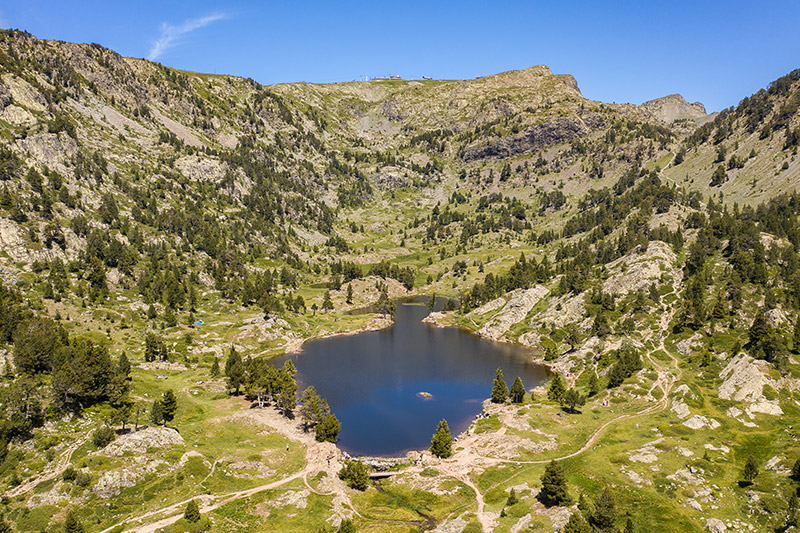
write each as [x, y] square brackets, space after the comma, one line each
[372, 380]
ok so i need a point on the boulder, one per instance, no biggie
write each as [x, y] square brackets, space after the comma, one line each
[700, 422]
[743, 379]
[680, 409]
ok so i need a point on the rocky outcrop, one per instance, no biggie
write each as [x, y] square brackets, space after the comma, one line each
[534, 138]
[640, 268]
[488, 307]
[390, 178]
[50, 149]
[139, 441]
[517, 308]
[680, 409]
[5, 97]
[674, 107]
[563, 310]
[111, 483]
[391, 110]
[743, 379]
[647, 453]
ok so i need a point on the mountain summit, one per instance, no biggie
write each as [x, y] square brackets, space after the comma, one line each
[674, 107]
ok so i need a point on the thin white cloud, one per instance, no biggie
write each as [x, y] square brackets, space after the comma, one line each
[170, 34]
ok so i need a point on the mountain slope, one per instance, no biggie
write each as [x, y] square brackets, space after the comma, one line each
[170, 231]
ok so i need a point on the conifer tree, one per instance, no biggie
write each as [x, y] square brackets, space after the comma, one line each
[72, 524]
[314, 408]
[328, 430]
[286, 397]
[124, 366]
[442, 441]
[215, 368]
[157, 413]
[517, 391]
[605, 513]
[327, 304]
[554, 486]
[795, 475]
[234, 371]
[594, 385]
[192, 513]
[512, 498]
[577, 524]
[557, 389]
[355, 474]
[796, 336]
[750, 470]
[349, 298]
[573, 399]
[499, 388]
[169, 405]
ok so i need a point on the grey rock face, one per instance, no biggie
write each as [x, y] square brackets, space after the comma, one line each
[534, 138]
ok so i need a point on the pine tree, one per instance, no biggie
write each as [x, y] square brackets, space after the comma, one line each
[72, 524]
[442, 441]
[499, 388]
[750, 470]
[328, 430]
[355, 474]
[795, 475]
[234, 371]
[605, 513]
[314, 408]
[192, 513]
[796, 336]
[215, 368]
[512, 498]
[349, 298]
[557, 389]
[594, 385]
[124, 366]
[517, 391]
[286, 397]
[573, 399]
[554, 486]
[327, 304]
[169, 406]
[577, 524]
[157, 413]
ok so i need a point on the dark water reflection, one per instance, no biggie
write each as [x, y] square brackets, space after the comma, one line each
[372, 380]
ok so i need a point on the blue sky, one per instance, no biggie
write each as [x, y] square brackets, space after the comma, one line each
[713, 52]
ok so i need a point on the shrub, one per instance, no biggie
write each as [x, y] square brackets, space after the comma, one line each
[103, 436]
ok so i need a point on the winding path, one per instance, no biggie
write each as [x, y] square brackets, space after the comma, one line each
[458, 467]
[60, 466]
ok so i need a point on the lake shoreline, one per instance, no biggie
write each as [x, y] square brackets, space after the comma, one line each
[376, 323]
